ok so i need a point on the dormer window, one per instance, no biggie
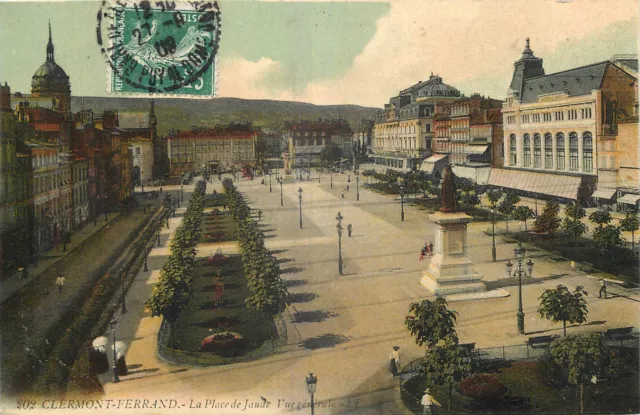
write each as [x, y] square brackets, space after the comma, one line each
[552, 85]
[564, 82]
[577, 79]
[540, 86]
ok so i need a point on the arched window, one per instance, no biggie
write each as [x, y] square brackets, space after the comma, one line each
[537, 151]
[527, 150]
[573, 151]
[587, 152]
[560, 151]
[512, 150]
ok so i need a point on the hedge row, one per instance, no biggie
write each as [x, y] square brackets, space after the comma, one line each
[262, 270]
[173, 291]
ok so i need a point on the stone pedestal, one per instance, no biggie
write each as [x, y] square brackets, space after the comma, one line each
[450, 270]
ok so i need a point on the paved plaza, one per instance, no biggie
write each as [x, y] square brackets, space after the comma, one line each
[342, 328]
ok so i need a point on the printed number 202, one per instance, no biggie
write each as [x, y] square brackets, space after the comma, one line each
[26, 404]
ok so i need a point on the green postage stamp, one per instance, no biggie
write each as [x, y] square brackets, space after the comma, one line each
[160, 48]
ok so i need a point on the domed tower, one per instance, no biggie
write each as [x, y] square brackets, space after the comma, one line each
[434, 88]
[50, 80]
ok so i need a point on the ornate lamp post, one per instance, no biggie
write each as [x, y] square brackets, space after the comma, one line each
[123, 276]
[319, 173]
[270, 188]
[181, 193]
[520, 252]
[311, 387]
[339, 227]
[300, 200]
[493, 232]
[331, 175]
[146, 268]
[358, 187]
[281, 181]
[159, 235]
[402, 202]
[113, 323]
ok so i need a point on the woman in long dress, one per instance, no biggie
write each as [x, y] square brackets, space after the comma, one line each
[394, 361]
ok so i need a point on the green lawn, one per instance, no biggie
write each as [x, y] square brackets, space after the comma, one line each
[204, 316]
[529, 392]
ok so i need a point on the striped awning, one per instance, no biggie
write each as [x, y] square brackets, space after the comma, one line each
[429, 164]
[629, 199]
[470, 149]
[604, 193]
[534, 182]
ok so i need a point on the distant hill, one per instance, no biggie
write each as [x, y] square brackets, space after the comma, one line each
[182, 114]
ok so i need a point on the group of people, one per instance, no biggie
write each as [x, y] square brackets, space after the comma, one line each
[428, 401]
[427, 250]
[346, 189]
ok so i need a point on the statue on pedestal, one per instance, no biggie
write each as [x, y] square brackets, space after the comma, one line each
[449, 202]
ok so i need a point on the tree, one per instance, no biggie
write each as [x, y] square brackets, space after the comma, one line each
[630, 224]
[560, 304]
[470, 200]
[548, 221]
[331, 153]
[445, 363]
[582, 356]
[523, 213]
[508, 205]
[431, 321]
[607, 237]
[601, 217]
[572, 224]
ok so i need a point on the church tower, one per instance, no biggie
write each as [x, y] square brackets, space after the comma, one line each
[528, 66]
[51, 81]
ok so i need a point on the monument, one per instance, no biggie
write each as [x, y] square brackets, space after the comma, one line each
[450, 271]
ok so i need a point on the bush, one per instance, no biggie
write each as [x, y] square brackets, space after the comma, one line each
[223, 343]
[482, 387]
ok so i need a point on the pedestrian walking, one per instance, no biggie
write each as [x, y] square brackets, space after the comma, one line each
[424, 251]
[428, 403]
[430, 249]
[347, 188]
[349, 229]
[160, 189]
[60, 283]
[603, 288]
[349, 179]
[259, 214]
[394, 361]
[343, 194]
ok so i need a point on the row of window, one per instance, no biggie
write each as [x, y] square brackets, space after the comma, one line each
[559, 144]
[54, 206]
[45, 159]
[585, 113]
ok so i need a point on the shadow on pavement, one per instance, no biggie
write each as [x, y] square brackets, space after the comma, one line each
[294, 283]
[302, 297]
[291, 270]
[512, 282]
[323, 340]
[315, 316]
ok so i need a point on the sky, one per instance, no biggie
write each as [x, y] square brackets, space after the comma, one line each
[335, 52]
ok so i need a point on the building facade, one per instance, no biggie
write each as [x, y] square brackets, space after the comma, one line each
[307, 139]
[403, 131]
[231, 146]
[557, 127]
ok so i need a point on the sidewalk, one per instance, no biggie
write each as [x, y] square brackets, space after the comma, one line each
[13, 283]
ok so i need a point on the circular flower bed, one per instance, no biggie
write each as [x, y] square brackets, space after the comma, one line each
[223, 343]
[482, 387]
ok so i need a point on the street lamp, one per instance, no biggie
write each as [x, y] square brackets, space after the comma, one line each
[493, 232]
[402, 202]
[181, 193]
[281, 181]
[358, 187]
[311, 387]
[339, 227]
[159, 235]
[113, 323]
[331, 175]
[146, 268]
[319, 173]
[300, 200]
[123, 275]
[520, 252]
[270, 189]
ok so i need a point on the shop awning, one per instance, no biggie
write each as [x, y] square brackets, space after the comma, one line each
[429, 163]
[629, 199]
[541, 183]
[604, 193]
[469, 149]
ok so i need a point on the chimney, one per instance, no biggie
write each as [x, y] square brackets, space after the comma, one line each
[5, 98]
